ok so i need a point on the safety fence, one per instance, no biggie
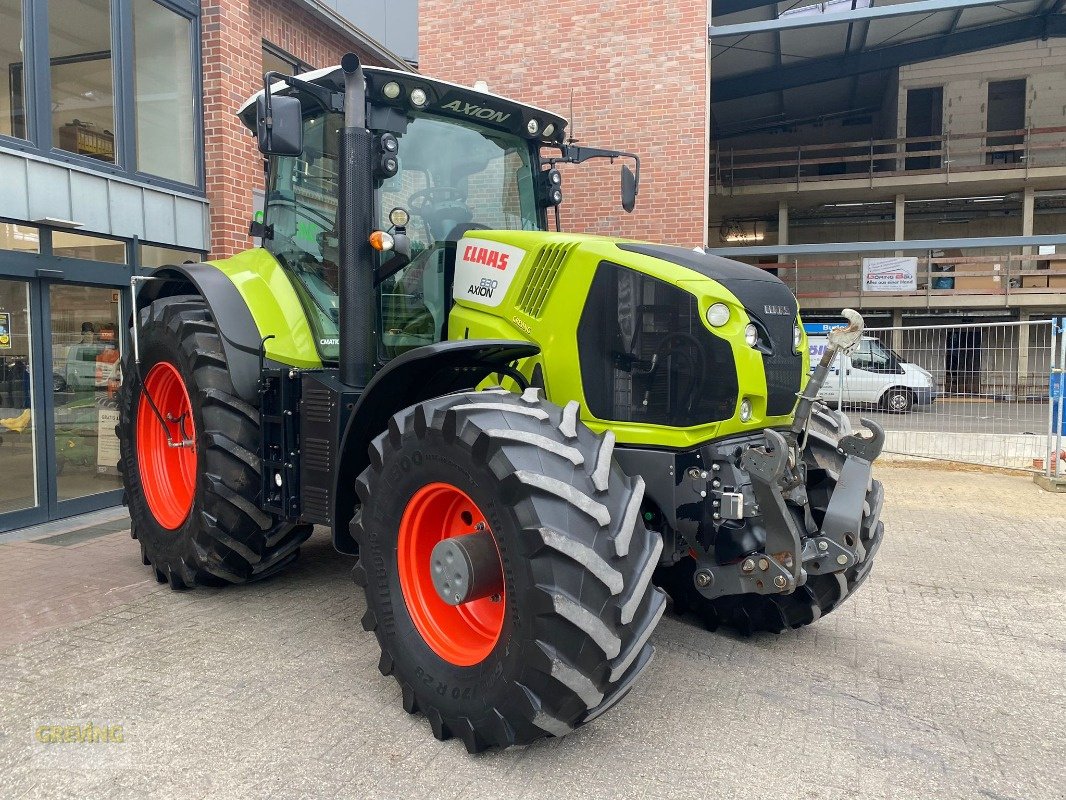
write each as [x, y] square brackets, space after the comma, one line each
[974, 393]
[949, 153]
[936, 274]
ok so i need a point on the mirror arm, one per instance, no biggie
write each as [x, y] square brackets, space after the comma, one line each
[575, 154]
[401, 257]
[330, 101]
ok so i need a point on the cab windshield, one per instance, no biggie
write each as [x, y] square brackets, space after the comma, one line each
[453, 177]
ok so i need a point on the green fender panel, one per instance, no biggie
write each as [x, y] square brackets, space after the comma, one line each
[274, 305]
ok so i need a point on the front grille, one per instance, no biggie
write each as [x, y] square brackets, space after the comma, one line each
[783, 368]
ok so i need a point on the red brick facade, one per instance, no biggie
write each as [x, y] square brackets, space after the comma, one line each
[638, 73]
[233, 70]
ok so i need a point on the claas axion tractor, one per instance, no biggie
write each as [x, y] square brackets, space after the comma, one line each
[530, 438]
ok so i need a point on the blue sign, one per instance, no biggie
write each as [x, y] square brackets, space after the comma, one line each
[822, 327]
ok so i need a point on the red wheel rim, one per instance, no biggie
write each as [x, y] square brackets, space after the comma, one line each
[168, 474]
[462, 635]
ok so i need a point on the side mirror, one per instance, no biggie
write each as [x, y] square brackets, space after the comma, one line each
[279, 125]
[629, 189]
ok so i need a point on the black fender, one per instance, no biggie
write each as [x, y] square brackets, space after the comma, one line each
[241, 339]
[417, 375]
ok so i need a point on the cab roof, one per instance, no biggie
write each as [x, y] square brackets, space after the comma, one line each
[442, 98]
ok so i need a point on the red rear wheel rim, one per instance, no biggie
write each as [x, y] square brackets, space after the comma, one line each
[168, 474]
[462, 635]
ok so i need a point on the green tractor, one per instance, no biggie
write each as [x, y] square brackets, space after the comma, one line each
[530, 438]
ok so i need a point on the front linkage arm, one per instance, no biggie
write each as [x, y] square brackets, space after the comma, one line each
[794, 545]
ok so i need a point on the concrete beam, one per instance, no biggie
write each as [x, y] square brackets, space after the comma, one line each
[876, 247]
[855, 15]
[819, 70]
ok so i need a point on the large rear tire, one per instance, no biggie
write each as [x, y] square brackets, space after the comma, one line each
[575, 608]
[194, 509]
[821, 594]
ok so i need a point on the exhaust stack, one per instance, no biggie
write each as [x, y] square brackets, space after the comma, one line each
[358, 318]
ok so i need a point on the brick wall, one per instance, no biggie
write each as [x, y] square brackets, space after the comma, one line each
[638, 75]
[232, 68]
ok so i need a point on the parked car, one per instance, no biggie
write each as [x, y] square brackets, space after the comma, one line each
[874, 374]
[76, 368]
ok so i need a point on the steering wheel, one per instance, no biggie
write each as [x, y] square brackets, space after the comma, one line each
[431, 197]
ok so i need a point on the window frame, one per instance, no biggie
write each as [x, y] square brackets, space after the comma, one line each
[298, 65]
[37, 94]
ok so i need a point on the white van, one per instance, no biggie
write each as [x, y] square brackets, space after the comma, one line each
[872, 374]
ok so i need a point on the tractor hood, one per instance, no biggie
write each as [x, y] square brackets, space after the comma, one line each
[443, 98]
[763, 294]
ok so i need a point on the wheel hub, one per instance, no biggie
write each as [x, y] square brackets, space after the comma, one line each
[451, 574]
[466, 568]
[168, 473]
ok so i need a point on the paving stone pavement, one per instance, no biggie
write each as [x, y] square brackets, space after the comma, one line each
[943, 677]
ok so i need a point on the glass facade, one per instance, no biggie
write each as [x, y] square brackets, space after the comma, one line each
[112, 83]
[152, 256]
[82, 77]
[164, 93]
[86, 376]
[20, 238]
[18, 406]
[92, 248]
[12, 118]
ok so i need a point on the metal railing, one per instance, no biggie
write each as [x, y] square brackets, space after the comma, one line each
[1021, 149]
[974, 393]
[1006, 274]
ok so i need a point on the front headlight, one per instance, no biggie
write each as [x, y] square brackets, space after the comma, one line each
[718, 315]
[745, 410]
[751, 335]
[797, 337]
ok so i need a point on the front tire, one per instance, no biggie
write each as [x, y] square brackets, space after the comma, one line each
[567, 633]
[194, 509]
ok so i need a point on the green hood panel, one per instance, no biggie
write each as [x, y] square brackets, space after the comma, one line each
[544, 299]
[274, 305]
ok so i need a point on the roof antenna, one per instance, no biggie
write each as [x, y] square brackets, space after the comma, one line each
[573, 123]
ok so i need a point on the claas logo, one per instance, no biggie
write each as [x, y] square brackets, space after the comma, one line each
[486, 256]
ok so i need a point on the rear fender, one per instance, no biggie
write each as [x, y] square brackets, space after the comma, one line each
[236, 326]
[415, 376]
[251, 298]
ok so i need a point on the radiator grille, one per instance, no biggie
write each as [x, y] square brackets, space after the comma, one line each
[542, 276]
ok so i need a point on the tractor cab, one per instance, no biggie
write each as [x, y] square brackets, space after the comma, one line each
[446, 160]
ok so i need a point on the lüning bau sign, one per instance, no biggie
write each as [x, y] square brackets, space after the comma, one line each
[889, 274]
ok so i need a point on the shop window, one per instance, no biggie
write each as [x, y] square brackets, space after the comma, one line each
[152, 256]
[83, 89]
[91, 248]
[12, 115]
[21, 238]
[164, 97]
